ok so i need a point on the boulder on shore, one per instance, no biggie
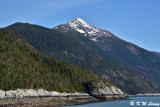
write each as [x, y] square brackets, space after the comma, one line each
[2, 94]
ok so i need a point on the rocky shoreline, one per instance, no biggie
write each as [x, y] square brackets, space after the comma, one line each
[56, 101]
[145, 95]
[41, 97]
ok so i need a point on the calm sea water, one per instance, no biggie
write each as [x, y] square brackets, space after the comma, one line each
[133, 102]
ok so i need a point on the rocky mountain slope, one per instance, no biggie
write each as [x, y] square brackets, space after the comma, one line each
[21, 66]
[108, 45]
[66, 49]
[156, 53]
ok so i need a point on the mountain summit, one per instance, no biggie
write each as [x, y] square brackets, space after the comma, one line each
[121, 52]
[71, 46]
[80, 26]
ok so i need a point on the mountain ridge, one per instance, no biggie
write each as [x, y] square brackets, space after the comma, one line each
[67, 49]
[121, 52]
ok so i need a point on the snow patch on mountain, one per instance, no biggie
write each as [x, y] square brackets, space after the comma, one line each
[80, 26]
[81, 31]
[94, 39]
[77, 23]
[87, 30]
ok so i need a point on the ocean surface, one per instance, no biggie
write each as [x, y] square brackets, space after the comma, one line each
[133, 102]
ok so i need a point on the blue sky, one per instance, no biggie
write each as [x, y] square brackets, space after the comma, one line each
[137, 21]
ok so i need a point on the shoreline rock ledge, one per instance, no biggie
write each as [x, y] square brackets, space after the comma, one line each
[96, 92]
[41, 97]
[26, 93]
[93, 89]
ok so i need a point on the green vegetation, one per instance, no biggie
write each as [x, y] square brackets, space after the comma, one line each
[21, 66]
[68, 50]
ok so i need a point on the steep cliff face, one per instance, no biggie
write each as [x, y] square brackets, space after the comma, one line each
[103, 88]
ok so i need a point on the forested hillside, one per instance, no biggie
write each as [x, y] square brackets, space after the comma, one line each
[66, 49]
[21, 66]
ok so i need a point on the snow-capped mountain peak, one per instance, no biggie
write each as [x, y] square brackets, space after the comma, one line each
[80, 26]
[78, 22]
